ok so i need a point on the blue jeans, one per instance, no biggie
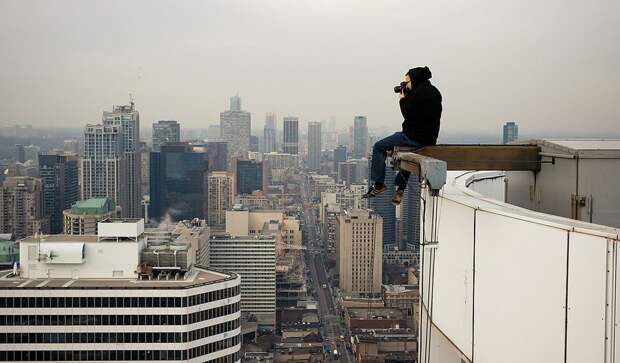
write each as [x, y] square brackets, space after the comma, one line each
[379, 153]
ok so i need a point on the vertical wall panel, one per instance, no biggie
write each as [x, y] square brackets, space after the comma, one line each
[520, 291]
[586, 298]
[452, 302]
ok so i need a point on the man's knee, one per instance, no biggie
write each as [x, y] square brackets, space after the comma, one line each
[381, 146]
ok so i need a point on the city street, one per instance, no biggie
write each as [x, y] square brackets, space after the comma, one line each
[330, 319]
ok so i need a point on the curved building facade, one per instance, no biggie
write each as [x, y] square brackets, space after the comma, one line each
[501, 283]
[67, 320]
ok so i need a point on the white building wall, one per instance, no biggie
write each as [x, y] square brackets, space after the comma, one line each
[101, 260]
[513, 285]
[141, 291]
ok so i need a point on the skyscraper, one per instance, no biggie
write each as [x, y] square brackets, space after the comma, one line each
[128, 118]
[21, 203]
[20, 154]
[108, 311]
[291, 135]
[165, 131]
[71, 146]
[104, 166]
[178, 182]
[60, 179]
[254, 143]
[511, 132]
[314, 145]
[382, 204]
[359, 252]
[340, 154]
[410, 215]
[235, 127]
[269, 133]
[360, 137]
[220, 197]
[235, 103]
[218, 155]
[250, 175]
[347, 173]
[145, 165]
[254, 259]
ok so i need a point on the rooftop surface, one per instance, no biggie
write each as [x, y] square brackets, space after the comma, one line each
[195, 277]
[74, 238]
[375, 313]
[93, 206]
[586, 148]
[588, 144]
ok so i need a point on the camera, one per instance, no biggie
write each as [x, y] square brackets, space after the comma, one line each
[401, 88]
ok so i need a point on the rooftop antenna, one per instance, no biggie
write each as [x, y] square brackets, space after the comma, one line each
[131, 101]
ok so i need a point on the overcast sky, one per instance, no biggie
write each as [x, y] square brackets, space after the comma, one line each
[549, 65]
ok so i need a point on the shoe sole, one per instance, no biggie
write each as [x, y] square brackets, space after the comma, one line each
[366, 196]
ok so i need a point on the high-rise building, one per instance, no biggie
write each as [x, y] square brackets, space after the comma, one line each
[108, 307]
[382, 204]
[235, 127]
[178, 182]
[340, 154]
[290, 138]
[218, 155]
[347, 173]
[269, 133]
[165, 131]
[128, 118]
[281, 166]
[83, 217]
[254, 259]
[314, 145]
[214, 132]
[59, 174]
[359, 252]
[511, 132]
[250, 176]
[104, 165]
[20, 154]
[254, 143]
[362, 169]
[410, 216]
[145, 167]
[360, 137]
[235, 103]
[22, 208]
[220, 197]
[72, 146]
[31, 152]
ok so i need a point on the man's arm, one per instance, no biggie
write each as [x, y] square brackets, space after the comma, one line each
[407, 106]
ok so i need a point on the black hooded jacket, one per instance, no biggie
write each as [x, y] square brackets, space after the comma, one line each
[421, 108]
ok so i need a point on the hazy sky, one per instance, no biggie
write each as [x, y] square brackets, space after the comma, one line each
[549, 65]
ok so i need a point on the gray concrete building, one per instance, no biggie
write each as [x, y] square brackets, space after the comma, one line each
[290, 137]
[235, 128]
[360, 136]
[165, 131]
[104, 165]
[314, 146]
[359, 252]
[128, 118]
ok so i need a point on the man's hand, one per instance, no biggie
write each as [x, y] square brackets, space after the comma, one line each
[402, 95]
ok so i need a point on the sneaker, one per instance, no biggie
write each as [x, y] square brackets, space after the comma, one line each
[374, 190]
[398, 197]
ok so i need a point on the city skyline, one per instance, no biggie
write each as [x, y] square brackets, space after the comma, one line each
[259, 213]
[85, 72]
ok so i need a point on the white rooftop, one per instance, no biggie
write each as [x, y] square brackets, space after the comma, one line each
[582, 147]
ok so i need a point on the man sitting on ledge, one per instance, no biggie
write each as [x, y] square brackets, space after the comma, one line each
[420, 104]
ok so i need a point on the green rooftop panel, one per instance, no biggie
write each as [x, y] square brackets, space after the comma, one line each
[93, 206]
